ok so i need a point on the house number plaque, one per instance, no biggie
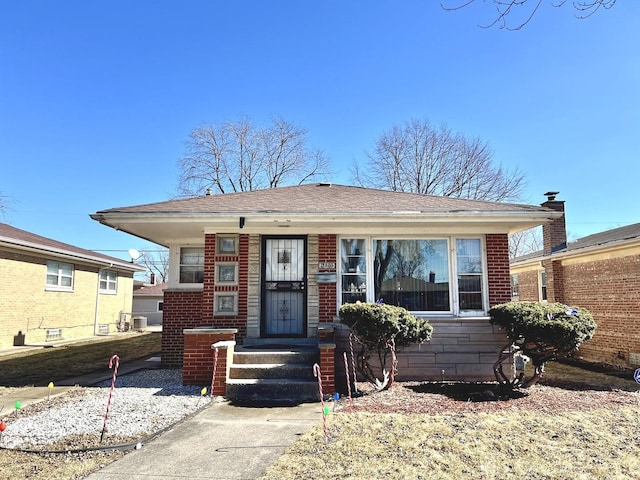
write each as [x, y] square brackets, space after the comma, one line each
[327, 266]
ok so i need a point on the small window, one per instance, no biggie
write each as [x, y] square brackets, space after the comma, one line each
[543, 285]
[160, 306]
[515, 284]
[469, 261]
[227, 245]
[191, 265]
[225, 303]
[108, 281]
[59, 276]
[227, 273]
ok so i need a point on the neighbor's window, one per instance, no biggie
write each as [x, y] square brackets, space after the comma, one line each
[59, 276]
[515, 284]
[413, 274]
[470, 278]
[191, 265]
[543, 285]
[160, 306]
[108, 281]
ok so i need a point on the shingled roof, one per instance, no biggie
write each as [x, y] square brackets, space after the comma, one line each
[323, 198]
[608, 238]
[23, 240]
[316, 208]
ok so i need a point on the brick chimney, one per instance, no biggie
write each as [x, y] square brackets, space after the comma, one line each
[554, 233]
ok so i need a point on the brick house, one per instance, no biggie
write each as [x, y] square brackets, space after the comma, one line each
[51, 291]
[600, 272]
[278, 263]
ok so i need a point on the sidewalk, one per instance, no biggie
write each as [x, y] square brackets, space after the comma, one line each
[222, 442]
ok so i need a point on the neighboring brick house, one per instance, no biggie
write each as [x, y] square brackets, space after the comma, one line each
[52, 291]
[600, 272]
[279, 263]
[148, 302]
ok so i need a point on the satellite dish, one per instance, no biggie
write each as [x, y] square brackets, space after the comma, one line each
[134, 254]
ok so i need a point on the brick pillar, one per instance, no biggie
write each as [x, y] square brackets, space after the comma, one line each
[328, 367]
[498, 268]
[554, 233]
[198, 357]
[327, 255]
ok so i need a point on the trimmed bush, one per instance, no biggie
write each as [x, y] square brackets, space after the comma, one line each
[380, 330]
[541, 331]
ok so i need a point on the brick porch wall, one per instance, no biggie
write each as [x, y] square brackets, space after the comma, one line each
[182, 309]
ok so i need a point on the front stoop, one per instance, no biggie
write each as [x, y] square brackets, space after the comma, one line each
[273, 374]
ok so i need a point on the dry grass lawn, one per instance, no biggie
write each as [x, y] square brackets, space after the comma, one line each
[545, 436]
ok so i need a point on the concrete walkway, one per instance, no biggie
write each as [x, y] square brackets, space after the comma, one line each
[221, 442]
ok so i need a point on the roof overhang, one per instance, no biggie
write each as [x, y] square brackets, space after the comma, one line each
[173, 228]
[67, 255]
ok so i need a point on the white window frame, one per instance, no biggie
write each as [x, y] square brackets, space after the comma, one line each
[160, 306]
[484, 281]
[111, 284]
[178, 265]
[514, 282]
[543, 294]
[454, 307]
[59, 276]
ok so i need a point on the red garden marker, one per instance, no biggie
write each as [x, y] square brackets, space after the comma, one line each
[113, 386]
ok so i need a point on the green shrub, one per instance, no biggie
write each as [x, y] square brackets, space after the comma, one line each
[379, 329]
[542, 331]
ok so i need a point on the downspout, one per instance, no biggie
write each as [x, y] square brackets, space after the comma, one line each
[96, 315]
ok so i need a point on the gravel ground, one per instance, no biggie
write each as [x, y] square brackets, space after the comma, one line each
[142, 404]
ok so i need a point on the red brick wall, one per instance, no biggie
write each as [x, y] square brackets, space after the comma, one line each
[528, 286]
[498, 268]
[327, 253]
[190, 309]
[238, 321]
[182, 309]
[610, 289]
[199, 360]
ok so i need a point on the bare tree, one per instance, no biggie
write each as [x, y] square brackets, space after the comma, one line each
[417, 157]
[507, 9]
[157, 263]
[4, 204]
[236, 156]
[527, 241]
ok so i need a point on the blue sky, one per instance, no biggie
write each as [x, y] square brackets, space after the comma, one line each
[97, 98]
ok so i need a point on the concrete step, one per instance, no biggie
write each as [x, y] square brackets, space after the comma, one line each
[272, 391]
[243, 355]
[272, 370]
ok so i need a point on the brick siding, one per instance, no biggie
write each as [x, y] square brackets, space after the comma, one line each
[610, 289]
[327, 253]
[27, 307]
[498, 268]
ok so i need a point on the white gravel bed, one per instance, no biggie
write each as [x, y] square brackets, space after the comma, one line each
[142, 403]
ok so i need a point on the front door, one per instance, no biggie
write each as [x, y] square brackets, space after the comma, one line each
[284, 297]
